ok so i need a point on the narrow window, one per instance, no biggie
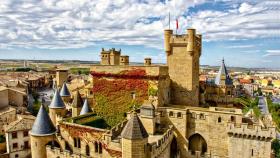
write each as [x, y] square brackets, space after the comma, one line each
[252, 152]
[16, 156]
[232, 119]
[26, 145]
[87, 151]
[219, 119]
[75, 142]
[95, 147]
[100, 148]
[79, 143]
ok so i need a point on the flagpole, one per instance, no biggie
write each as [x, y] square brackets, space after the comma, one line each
[169, 20]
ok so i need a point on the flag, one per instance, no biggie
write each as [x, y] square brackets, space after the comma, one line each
[177, 24]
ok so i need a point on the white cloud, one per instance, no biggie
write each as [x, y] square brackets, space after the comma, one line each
[271, 53]
[241, 46]
[56, 24]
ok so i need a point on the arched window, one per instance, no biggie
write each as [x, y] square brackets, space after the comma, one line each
[219, 119]
[179, 114]
[96, 147]
[100, 148]
[171, 114]
[16, 156]
[87, 150]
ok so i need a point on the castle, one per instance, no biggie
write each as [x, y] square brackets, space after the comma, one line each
[165, 117]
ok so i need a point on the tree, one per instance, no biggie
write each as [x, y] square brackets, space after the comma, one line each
[249, 103]
[275, 145]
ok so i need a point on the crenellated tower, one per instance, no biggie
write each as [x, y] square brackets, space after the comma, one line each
[183, 53]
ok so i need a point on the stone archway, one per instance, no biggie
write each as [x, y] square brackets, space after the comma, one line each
[174, 148]
[197, 143]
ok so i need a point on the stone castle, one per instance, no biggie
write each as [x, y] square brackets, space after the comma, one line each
[166, 112]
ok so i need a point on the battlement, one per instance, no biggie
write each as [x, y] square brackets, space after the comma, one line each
[251, 131]
[116, 69]
[56, 152]
[116, 130]
[160, 145]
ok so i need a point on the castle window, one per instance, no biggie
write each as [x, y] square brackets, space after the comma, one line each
[95, 147]
[79, 143]
[232, 119]
[15, 145]
[25, 133]
[87, 151]
[179, 114]
[75, 142]
[100, 148]
[14, 135]
[26, 145]
[171, 114]
[252, 152]
[201, 116]
[228, 92]
[219, 120]
[16, 156]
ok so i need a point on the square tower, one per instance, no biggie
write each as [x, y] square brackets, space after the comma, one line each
[183, 53]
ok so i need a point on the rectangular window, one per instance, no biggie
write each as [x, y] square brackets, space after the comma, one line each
[14, 135]
[26, 145]
[25, 133]
[15, 145]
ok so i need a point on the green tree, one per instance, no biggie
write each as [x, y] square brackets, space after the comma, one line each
[275, 145]
[249, 103]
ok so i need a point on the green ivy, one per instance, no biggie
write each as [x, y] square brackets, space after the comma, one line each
[152, 91]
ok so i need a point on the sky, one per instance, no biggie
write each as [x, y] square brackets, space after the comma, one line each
[245, 33]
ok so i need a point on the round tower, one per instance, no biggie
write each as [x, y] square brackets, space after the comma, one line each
[42, 132]
[134, 138]
[57, 107]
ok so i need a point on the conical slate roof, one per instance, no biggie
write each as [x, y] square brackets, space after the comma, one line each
[223, 77]
[86, 108]
[57, 101]
[64, 92]
[43, 124]
[134, 129]
[78, 101]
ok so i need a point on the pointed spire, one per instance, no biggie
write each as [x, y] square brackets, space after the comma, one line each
[78, 101]
[223, 75]
[134, 129]
[86, 108]
[57, 101]
[43, 124]
[64, 92]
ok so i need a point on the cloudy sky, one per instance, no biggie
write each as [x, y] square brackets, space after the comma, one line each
[245, 33]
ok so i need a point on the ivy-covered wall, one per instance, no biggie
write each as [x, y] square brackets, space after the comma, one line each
[113, 93]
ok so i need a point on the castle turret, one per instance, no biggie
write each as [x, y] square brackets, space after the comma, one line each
[64, 93]
[86, 108]
[124, 60]
[77, 104]
[115, 57]
[147, 61]
[223, 77]
[134, 138]
[148, 117]
[43, 132]
[57, 107]
[61, 77]
[183, 52]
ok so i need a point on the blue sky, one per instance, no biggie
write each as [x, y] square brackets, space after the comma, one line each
[245, 33]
